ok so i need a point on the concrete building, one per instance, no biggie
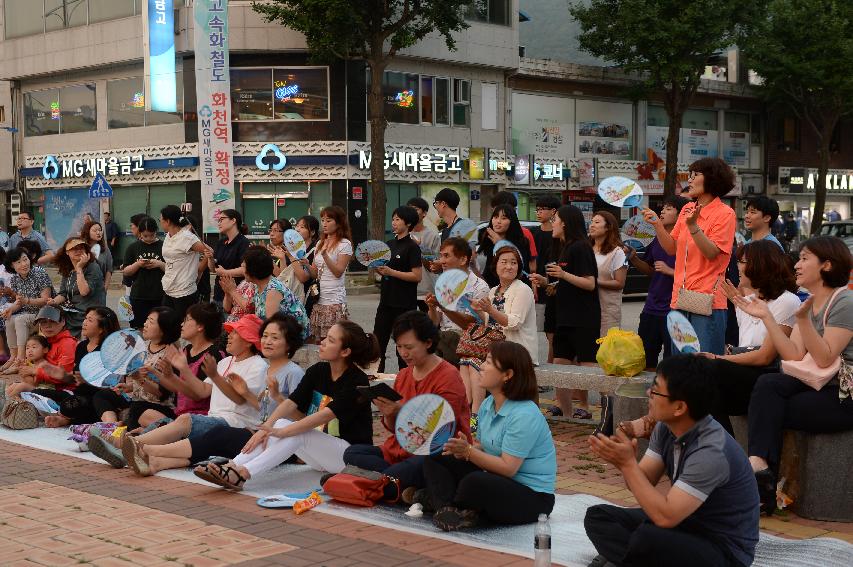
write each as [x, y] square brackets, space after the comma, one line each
[75, 75]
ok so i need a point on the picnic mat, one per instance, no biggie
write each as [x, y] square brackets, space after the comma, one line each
[570, 544]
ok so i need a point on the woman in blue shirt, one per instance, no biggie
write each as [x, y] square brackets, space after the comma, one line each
[508, 476]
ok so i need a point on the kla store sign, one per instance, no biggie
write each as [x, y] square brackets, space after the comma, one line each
[76, 168]
[802, 180]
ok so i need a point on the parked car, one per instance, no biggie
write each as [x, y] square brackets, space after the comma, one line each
[841, 229]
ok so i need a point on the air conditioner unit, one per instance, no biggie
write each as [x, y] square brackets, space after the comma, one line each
[462, 91]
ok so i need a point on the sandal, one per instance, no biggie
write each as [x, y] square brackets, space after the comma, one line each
[581, 413]
[553, 411]
[202, 470]
[223, 475]
[630, 432]
[130, 449]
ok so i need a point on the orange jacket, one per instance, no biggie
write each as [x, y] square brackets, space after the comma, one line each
[61, 353]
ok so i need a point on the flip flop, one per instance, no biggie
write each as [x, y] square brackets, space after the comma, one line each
[554, 411]
[103, 449]
[581, 413]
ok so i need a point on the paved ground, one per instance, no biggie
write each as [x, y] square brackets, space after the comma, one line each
[57, 510]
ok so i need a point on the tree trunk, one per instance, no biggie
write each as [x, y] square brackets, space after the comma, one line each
[820, 185]
[673, 136]
[376, 104]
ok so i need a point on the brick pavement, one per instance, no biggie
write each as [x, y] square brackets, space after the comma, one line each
[57, 510]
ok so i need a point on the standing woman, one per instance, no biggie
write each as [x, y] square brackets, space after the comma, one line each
[82, 283]
[309, 228]
[181, 249]
[92, 234]
[229, 251]
[144, 265]
[331, 259]
[702, 243]
[134, 233]
[33, 289]
[504, 225]
[579, 324]
[612, 270]
[276, 245]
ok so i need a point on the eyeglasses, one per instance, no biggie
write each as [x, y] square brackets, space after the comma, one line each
[655, 393]
[693, 174]
[276, 230]
[220, 219]
[544, 209]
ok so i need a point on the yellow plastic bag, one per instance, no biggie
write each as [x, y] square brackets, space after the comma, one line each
[621, 353]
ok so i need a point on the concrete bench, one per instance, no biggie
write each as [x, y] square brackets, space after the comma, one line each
[590, 378]
[818, 471]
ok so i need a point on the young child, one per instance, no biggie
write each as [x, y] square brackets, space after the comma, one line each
[35, 351]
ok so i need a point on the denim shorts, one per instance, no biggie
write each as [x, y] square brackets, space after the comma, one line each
[201, 424]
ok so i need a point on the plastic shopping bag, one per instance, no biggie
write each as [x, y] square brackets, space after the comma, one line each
[621, 353]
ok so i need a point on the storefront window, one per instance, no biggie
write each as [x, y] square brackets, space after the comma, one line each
[60, 14]
[656, 116]
[604, 129]
[126, 105]
[42, 112]
[400, 91]
[104, 10]
[251, 94]
[301, 93]
[703, 119]
[79, 112]
[462, 102]
[23, 17]
[426, 100]
[442, 101]
[490, 11]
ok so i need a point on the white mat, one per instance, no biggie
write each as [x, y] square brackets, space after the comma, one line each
[570, 544]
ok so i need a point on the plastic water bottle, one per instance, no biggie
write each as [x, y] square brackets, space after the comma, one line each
[542, 543]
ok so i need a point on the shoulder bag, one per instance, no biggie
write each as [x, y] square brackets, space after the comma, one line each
[695, 301]
[359, 487]
[807, 370]
[18, 414]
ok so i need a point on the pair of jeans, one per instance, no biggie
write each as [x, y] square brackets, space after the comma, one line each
[626, 537]
[782, 402]
[711, 330]
[454, 482]
[409, 472]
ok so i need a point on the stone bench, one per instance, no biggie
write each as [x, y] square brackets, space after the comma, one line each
[818, 471]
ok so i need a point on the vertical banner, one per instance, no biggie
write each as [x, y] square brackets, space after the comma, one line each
[213, 92]
[158, 36]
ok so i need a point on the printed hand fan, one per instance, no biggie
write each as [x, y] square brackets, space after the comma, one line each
[136, 362]
[620, 192]
[373, 253]
[466, 229]
[426, 253]
[42, 404]
[124, 310]
[682, 333]
[119, 348]
[449, 287]
[294, 243]
[424, 424]
[739, 238]
[637, 228]
[93, 371]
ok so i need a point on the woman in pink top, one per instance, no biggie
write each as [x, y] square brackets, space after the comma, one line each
[702, 243]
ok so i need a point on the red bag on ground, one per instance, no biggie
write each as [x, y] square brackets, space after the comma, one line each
[359, 487]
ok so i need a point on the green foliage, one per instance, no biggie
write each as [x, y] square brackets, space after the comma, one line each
[366, 29]
[803, 51]
[668, 42]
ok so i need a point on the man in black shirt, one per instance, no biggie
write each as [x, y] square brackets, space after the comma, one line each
[546, 208]
[400, 278]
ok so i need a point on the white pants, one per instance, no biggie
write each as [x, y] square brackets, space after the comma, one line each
[18, 330]
[320, 451]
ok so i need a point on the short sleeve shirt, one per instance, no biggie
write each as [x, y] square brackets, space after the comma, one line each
[16, 239]
[405, 256]
[751, 330]
[708, 464]
[253, 371]
[355, 421]
[180, 277]
[429, 242]
[148, 281]
[332, 289]
[288, 378]
[840, 315]
[660, 286]
[717, 220]
[519, 429]
[289, 304]
[578, 258]
[97, 295]
[229, 255]
[31, 286]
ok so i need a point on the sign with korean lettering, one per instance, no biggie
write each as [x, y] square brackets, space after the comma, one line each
[213, 92]
[75, 168]
[415, 161]
[159, 49]
[548, 171]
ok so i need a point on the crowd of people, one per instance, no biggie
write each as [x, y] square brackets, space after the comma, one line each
[233, 390]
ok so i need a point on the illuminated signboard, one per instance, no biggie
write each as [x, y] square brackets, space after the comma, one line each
[74, 168]
[405, 99]
[160, 72]
[55, 111]
[415, 161]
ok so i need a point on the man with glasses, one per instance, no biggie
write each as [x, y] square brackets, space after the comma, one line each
[546, 308]
[26, 232]
[709, 516]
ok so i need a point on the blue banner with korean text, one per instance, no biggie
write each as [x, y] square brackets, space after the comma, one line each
[213, 92]
[160, 74]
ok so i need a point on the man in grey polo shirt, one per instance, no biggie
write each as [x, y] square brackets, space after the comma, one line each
[710, 515]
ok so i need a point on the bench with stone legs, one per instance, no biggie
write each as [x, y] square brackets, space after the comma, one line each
[817, 468]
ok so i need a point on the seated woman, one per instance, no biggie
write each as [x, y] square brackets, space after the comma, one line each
[138, 392]
[280, 339]
[82, 283]
[35, 351]
[292, 427]
[425, 373]
[508, 478]
[238, 299]
[227, 406]
[824, 331]
[765, 269]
